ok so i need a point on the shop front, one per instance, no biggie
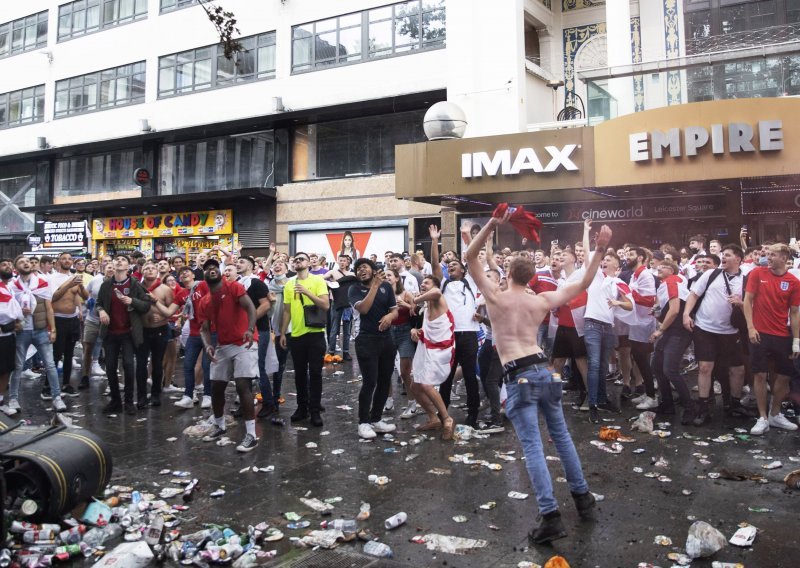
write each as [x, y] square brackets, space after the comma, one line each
[165, 235]
[655, 176]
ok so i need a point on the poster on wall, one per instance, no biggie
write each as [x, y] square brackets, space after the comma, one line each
[356, 242]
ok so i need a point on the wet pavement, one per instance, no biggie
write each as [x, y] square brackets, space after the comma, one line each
[432, 490]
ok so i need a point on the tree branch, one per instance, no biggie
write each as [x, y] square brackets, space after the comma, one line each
[225, 24]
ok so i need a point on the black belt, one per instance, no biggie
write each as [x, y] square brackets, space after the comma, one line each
[512, 368]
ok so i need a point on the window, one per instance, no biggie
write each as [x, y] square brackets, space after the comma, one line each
[360, 146]
[97, 177]
[231, 162]
[170, 5]
[101, 90]
[354, 38]
[86, 16]
[21, 107]
[207, 67]
[792, 11]
[23, 34]
[18, 188]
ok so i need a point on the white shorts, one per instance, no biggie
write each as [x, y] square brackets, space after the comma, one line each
[235, 361]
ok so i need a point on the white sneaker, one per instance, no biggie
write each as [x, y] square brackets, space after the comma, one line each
[365, 431]
[639, 399]
[761, 427]
[780, 421]
[647, 403]
[389, 406]
[185, 402]
[382, 427]
[58, 404]
[76, 363]
[7, 410]
[13, 404]
[410, 410]
[97, 370]
[149, 382]
[206, 402]
[172, 388]
[29, 374]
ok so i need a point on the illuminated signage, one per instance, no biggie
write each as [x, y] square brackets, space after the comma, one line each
[198, 223]
[478, 164]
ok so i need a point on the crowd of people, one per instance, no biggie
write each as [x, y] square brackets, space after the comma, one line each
[516, 328]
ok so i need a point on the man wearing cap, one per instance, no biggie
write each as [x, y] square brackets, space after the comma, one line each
[307, 345]
[235, 357]
[374, 299]
[259, 295]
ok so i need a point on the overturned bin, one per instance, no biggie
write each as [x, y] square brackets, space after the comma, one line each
[49, 470]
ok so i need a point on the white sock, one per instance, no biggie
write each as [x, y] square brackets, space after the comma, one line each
[251, 427]
[612, 367]
[220, 421]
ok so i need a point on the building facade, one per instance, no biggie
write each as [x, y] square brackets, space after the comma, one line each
[126, 115]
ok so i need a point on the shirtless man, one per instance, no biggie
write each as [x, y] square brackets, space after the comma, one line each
[531, 387]
[156, 336]
[68, 293]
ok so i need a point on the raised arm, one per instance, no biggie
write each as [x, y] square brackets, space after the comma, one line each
[490, 254]
[486, 286]
[435, 233]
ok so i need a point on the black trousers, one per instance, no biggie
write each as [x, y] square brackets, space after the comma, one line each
[641, 356]
[375, 355]
[467, 357]
[153, 348]
[308, 352]
[113, 345]
[68, 332]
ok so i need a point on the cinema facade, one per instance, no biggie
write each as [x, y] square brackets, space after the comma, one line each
[655, 176]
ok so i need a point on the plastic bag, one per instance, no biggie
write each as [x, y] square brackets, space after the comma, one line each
[704, 540]
[644, 423]
[271, 362]
[452, 544]
[127, 555]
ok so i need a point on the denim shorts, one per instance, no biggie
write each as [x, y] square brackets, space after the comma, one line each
[401, 335]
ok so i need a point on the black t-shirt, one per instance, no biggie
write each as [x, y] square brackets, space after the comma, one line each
[341, 299]
[382, 305]
[257, 291]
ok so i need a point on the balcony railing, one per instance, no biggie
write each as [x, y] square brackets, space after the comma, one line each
[744, 39]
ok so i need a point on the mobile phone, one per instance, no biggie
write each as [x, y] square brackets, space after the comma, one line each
[793, 241]
[554, 242]
[118, 293]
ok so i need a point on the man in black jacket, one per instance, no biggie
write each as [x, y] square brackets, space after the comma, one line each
[121, 304]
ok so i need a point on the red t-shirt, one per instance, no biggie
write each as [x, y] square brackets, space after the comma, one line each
[222, 309]
[544, 282]
[120, 318]
[200, 291]
[179, 296]
[772, 297]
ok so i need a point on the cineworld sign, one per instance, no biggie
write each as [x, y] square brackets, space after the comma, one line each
[735, 137]
[478, 164]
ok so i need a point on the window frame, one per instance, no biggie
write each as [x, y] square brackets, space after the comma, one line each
[8, 28]
[216, 52]
[38, 94]
[168, 10]
[96, 80]
[102, 24]
[366, 54]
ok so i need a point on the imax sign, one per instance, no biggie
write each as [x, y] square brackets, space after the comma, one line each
[478, 164]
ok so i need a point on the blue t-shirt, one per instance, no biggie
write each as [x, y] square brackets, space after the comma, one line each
[384, 302]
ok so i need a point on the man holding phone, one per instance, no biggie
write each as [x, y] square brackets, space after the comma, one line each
[122, 303]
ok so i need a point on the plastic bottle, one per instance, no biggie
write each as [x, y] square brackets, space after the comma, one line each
[364, 512]
[347, 526]
[375, 548]
[152, 535]
[98, 535]
[395, 521]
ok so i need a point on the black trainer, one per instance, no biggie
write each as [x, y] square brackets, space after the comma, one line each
[141, 403]
[701, 414]
[215, 434]
[130, 408]
[608, 406]
[46, 394]
[266, 411]
[594, 415]
[69, 390]
[316, 419]
[248, 444]
[549, 529]
[347, 357]
[113, 407]
[299, 415]
[584, 503]
[84, 384]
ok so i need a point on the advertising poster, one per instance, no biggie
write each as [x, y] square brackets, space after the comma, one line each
[364, 242]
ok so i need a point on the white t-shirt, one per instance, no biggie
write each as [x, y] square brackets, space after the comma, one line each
[714, 313]
[601, 290]
[410, 283]
[462, 303]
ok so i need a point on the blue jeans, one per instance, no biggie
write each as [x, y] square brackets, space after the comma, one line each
[193, 350]
[599, 338]
[543, 338]
[525, 402]
[267, 399]
[41, 340]
[333, 331]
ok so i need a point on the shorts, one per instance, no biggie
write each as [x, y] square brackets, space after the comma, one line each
[401, 336]
[8, 353]
[775, 348]
[568, 344]
[622, 342]
[708, 346]
[235, 362]
[91, 331]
